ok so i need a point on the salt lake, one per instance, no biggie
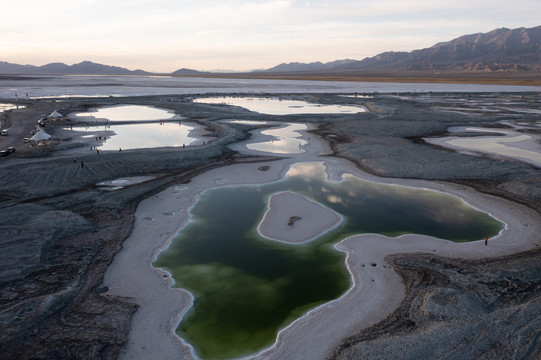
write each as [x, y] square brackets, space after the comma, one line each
[247, 288]
[106, 86]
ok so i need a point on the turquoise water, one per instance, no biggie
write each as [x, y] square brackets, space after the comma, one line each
[246, 288]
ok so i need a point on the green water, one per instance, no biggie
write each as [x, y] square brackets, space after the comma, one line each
[246, 288]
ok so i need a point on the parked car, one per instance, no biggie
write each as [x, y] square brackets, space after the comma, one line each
[4, 132]
[26, 140]
[4, 153]
[10, 149]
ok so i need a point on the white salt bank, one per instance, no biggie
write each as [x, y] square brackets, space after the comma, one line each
[292, 218]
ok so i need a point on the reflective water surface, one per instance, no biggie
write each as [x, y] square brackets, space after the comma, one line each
[246, 287]
[277, 106]
[285, 140]
[7, 106]
[125, 113]
[248, 122]
[142, 136]
[81, 85]
[506, 142]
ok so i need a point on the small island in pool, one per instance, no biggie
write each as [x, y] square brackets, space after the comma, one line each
[292, 218]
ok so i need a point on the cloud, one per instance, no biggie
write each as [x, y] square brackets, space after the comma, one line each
[258, 6]
[244, 33]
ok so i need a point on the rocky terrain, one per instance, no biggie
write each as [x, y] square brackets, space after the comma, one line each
[59, 231]
[456, 309]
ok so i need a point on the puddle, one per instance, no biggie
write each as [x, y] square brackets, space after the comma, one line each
[248, 122]
[118, 184]
[359, 96]
[277, 106]
[6, 106]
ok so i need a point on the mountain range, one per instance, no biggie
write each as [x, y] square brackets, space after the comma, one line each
[85, 67]
[500, 50]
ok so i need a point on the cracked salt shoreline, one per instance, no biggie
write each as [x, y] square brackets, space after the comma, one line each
[376, 290]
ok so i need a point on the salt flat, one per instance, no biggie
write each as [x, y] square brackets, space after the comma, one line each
[65, 267]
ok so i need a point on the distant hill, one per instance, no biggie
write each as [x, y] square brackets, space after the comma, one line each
[85, 67]
[512, 51]
[498, 50]
[315, 66]
[185, 71]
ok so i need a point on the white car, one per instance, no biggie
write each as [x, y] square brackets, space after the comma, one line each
[4, 132]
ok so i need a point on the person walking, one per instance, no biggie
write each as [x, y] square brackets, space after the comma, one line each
[486, 240]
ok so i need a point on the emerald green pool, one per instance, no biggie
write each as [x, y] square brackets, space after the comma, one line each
[247, 288]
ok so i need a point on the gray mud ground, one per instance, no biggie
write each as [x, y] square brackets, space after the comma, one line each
[59, 231]
[457, 309]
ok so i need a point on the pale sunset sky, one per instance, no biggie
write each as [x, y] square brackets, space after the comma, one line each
[166, 35]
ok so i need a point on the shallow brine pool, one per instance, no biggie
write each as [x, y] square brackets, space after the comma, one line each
[284, 140]
[125, 113]
[142, 136]
[505, 142]
[277, 106]
[247, 288]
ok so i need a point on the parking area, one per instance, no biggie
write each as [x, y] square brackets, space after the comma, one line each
[18, 125]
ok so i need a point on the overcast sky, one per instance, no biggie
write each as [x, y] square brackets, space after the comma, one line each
[166, 35]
